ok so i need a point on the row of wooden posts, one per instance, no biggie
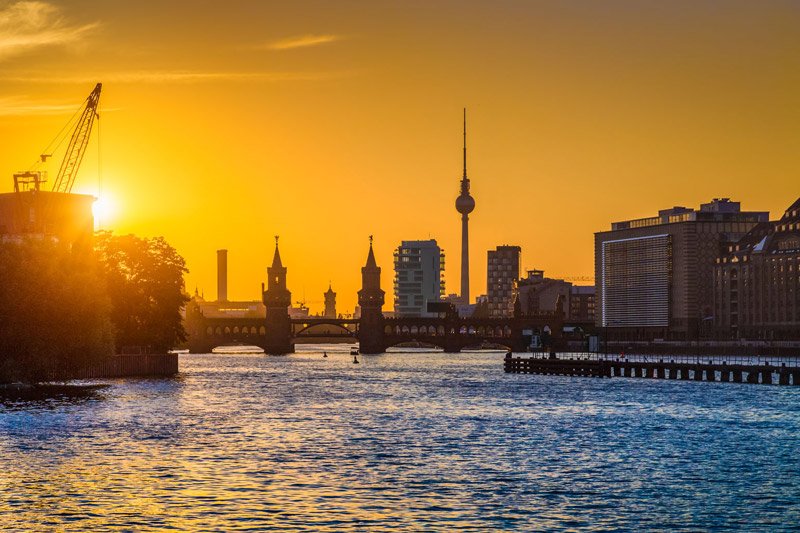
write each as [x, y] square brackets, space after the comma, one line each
[736, 373]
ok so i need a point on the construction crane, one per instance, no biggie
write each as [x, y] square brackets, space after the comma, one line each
[76, 149]
[77, 144]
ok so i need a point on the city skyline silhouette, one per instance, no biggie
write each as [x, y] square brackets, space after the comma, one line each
[296, 118]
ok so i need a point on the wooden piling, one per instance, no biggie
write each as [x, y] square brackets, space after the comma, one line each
[602, 368]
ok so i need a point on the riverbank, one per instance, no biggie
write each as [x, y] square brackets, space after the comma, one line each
[22, 392]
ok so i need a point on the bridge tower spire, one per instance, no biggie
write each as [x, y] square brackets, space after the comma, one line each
[370, 300]
[277, 300]
[330, 302]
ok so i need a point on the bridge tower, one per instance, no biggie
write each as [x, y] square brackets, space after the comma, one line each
[370, 299]
[330, 303]
[277, 300]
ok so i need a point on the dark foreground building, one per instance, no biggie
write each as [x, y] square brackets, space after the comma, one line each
[757, 282]
[35, 213]
[655, 276]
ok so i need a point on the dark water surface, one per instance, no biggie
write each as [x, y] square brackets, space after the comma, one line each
[403, 441]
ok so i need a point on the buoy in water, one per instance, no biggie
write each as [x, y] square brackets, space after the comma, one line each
[324, 354]
[355, 360]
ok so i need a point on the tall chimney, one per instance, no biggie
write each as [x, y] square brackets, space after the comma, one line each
[222, 275]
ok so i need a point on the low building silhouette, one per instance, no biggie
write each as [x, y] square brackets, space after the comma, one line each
[538, 293]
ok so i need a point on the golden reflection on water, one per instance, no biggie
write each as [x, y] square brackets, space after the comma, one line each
[403, 441]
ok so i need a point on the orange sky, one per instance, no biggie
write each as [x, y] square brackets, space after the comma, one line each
[225, 124]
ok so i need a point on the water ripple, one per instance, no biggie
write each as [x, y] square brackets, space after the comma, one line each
[411, 441]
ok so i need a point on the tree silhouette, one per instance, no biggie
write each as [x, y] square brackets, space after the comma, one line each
[54, 312]
[144, 280]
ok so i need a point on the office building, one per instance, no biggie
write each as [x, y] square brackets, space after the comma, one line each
[655, 276]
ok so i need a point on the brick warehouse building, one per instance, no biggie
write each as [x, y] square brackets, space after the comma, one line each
[757, 282]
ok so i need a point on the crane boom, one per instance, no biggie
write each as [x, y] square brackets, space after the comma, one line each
[77, 144]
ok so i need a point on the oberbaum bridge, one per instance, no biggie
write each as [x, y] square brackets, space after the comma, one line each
[277, 332]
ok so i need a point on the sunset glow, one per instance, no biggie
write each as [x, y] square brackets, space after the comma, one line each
[220, 128]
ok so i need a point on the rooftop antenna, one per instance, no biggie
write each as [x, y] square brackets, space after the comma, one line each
[465, 143]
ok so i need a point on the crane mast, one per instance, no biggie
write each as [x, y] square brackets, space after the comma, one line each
[77, 144]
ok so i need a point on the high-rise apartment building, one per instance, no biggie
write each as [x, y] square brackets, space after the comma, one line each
[757, 282]
[502, 274]
[655, 276]
[418, 277]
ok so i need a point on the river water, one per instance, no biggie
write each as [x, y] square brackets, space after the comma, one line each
[401, 442]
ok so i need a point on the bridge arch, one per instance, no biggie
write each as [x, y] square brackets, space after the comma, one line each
[437, 343]
[310, 325]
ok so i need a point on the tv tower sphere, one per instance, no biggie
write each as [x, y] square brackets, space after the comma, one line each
[465, 204]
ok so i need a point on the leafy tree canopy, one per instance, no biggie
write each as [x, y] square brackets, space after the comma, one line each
[144, 281]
